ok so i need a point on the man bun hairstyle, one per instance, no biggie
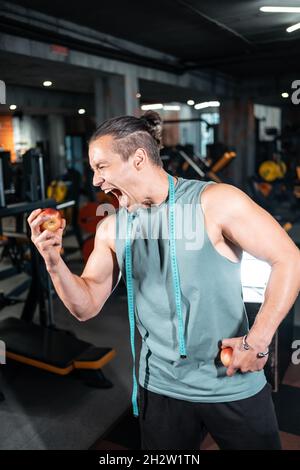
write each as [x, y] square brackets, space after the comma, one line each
[130, 133]
[154, 125]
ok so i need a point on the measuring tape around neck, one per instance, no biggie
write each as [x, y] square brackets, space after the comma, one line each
[176, 285]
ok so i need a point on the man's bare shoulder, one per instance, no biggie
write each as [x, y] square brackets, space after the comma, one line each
[246, 224]
[222, 197]
[219, 190]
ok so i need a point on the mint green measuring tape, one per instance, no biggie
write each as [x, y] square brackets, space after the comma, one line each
[176, 286]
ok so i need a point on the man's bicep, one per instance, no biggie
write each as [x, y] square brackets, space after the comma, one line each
[101, 272]
[252, 228]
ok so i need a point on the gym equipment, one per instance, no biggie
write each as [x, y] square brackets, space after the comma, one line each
[223, 161]
[57, 190]
[277, 161]
[275, 197]
[275, 184]
[34, 180]
[64, 188]
[14, 245]
[270, 197]
[43, 345]
[88, 247]
[271, 170]
[88, 220]
[183, 161]
[6, 175]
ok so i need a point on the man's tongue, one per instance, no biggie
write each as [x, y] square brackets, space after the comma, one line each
[117, 193]
[123, 200]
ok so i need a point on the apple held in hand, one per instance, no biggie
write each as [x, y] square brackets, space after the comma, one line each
[225, 356]
[54, 222]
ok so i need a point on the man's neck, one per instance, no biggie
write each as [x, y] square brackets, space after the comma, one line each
[155, 190]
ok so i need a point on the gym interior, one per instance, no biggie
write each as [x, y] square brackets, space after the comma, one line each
[225, 79]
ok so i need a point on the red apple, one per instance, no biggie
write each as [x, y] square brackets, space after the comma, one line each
[54, 222]
[226, 355]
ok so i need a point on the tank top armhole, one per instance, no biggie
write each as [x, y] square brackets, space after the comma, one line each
[219, 255]
[206, 183]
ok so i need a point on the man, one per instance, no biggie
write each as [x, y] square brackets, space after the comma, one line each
[184, 291]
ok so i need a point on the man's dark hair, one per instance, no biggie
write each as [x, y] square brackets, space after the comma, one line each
[130, 133]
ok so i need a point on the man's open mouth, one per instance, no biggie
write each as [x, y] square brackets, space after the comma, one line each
[114, 191]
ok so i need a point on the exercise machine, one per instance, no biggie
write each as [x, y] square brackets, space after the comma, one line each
[181, 160]
[41, 344]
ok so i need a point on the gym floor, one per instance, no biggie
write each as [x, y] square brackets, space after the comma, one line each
[46, 411]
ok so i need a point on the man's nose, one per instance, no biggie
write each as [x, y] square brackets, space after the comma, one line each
[97, 180]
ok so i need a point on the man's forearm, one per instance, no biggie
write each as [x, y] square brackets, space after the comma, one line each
[72, 290]
[280, 295]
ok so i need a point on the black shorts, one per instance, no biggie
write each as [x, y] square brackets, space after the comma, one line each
[169, 423]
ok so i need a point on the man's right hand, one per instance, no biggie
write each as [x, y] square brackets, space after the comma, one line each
[48, 243]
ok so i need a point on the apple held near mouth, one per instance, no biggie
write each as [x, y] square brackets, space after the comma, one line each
[225, 356]
[54, 222]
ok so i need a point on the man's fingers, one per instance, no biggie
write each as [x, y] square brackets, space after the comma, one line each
[231, 371]
[49, 243]
[33, 215]
[37, 222]
[228, 342]
[45, 235]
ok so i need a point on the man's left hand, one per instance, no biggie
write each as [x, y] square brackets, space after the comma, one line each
[243, 360]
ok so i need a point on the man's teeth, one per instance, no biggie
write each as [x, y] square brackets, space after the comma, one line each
[115, 192]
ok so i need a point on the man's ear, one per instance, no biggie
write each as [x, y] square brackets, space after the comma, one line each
[139, 158]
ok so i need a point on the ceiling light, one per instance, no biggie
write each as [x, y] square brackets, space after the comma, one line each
[284, 94]
[147, 107]
[138, 95]
[280, 9]
[81, 111]
[171, 107]
[190, 102]
[47, 83]
[13, 107]
[290, 29]
[207, 104]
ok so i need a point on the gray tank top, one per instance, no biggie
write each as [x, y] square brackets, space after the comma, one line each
[211, 295]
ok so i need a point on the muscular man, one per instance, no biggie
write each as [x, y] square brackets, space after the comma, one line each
[184, 291]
